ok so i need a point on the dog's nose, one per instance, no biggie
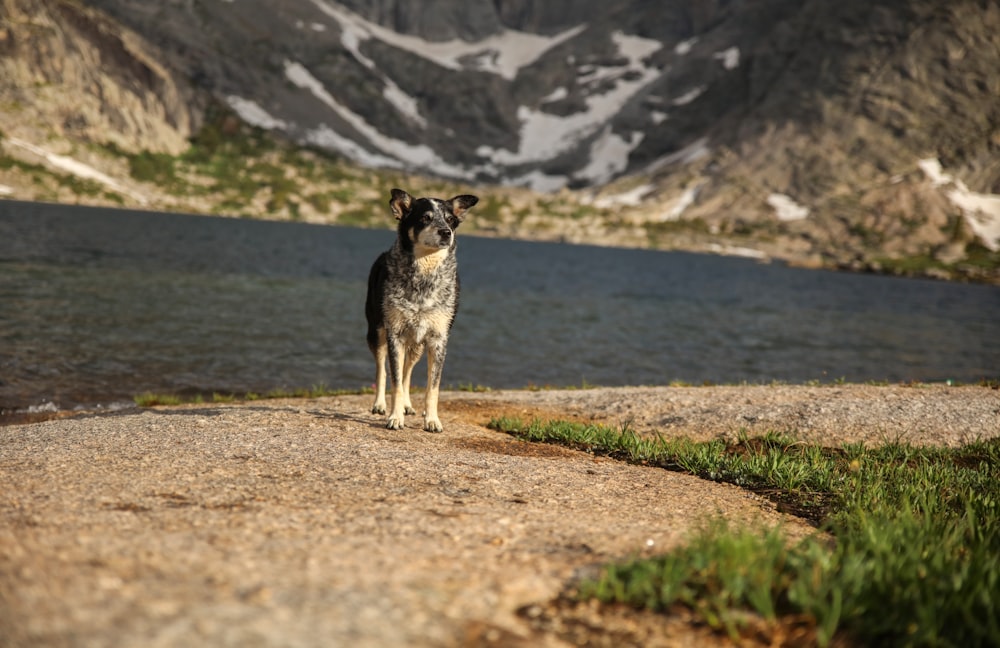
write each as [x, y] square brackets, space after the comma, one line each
[444, 232]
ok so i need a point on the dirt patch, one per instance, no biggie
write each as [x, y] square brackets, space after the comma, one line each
[515, 448]
[479, 409]
[588, 623]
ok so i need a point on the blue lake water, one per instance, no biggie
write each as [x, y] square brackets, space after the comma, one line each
[97, 305]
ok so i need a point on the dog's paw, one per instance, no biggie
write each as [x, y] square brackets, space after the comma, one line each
[409, 410]
[378, 408]
[394, 423]
[433, 425]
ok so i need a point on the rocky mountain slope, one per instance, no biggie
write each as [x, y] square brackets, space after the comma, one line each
[72, 71]
[859, 134]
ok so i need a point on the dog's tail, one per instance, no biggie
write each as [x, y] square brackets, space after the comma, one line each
[373, 303]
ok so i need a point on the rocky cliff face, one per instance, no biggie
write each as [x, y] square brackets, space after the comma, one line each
[476, 20]
[852, 132]
[831, 119]
[69, 70]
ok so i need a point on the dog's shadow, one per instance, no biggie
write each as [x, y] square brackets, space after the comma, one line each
[341, 416]
[373, 421]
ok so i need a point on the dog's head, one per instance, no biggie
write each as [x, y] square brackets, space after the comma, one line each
[429, 223]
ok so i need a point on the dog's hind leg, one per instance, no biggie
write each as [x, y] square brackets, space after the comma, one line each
[435, 367]
[376, 336]
[412, 358]
[381, 353]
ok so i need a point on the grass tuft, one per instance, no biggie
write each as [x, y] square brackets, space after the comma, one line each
[149, 399]
[915, 558]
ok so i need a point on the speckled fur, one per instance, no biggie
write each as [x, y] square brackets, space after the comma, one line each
[412, 299]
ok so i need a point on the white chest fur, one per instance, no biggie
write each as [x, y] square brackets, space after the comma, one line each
[429, 261]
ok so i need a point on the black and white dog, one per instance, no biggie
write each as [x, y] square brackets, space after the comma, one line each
[412, 301]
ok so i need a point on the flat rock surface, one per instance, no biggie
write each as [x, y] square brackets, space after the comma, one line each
[922, 414]
[307, 523]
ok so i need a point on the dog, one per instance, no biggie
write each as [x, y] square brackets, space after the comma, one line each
[412, 299]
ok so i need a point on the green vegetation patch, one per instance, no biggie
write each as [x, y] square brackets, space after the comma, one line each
[911, 553]
[241, 169]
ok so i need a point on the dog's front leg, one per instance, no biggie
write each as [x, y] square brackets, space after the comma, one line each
[397, 359]
[412, 357]
[435, 367]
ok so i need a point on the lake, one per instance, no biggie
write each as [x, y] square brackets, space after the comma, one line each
[97, 305]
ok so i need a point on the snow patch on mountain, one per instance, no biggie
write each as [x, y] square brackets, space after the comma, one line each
[558, 94]
[934, 172]
[981, 211]
[314, 26]
[404, 103]
[413, 155]
[250, 112]
[630, 198]
[539, 181]
[503, 54]
[544, 136]
[680, 205]
[684, 47]
[322, 136]
[608, 156]
[693, 152]
[325, 137]
[730, 58]
[688, 96]
[392, 93]
[76, 168]
[786, 209]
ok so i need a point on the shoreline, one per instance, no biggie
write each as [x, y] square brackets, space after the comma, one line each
[719, 409]
[613, 235]
[47, 409]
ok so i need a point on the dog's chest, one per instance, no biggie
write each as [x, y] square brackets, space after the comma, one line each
[418, 319]
[421, 305]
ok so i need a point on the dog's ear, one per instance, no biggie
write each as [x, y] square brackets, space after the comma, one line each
[461, 204]
[400, 203]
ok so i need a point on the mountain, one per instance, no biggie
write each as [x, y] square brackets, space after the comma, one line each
[861, 133]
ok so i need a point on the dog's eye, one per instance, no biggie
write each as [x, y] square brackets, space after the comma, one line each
[426, 218]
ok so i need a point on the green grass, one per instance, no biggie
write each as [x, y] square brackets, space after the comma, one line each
[239, 169]
[149, 399]
[915, 551]
[158, 168]
[978, 260]
[471, 387]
